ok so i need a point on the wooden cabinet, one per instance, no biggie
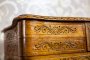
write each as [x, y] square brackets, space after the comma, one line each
[32, 37]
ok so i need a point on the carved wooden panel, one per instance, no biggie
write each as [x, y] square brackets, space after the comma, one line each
[44, 38]
[11, 44]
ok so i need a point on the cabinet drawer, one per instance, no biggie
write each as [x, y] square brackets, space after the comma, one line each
[43, 38]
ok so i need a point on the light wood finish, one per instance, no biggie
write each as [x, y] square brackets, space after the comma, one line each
[88, 35]
[43, 38]
[74, 56]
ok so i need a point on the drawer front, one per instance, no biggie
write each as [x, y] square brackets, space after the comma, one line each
[79, 56]
[43, 38]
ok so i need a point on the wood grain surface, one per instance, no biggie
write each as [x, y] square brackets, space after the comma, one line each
[74, 56]
[45, 38]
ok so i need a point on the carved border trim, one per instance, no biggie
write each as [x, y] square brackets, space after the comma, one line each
[44, 18]
[53, 18]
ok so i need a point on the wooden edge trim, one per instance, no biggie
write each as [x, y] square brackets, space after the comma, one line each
[53, 18]
[88, 35]
[44, 18]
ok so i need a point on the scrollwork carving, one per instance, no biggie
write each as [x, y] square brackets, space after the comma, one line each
[55, 29]
[57, 46]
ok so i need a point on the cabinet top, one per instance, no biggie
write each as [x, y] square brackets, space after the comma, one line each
[51, 18]
[46, 18]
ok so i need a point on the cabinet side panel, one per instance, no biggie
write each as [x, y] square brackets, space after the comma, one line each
[13, 58]
[12, 48]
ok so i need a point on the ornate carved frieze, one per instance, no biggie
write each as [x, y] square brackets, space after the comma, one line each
[56, 29]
